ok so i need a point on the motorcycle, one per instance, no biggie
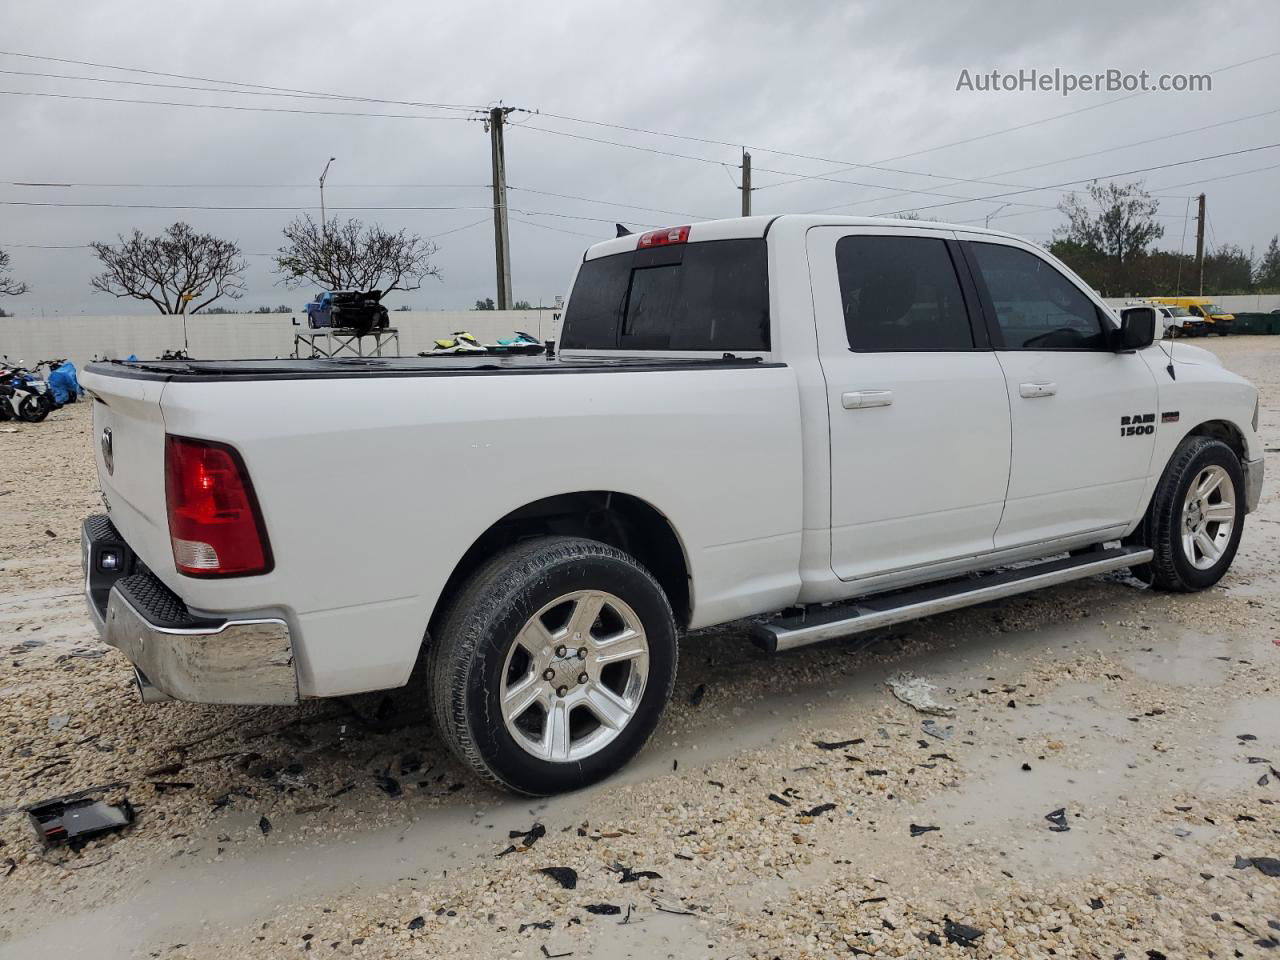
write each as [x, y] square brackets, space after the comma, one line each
[26, 396]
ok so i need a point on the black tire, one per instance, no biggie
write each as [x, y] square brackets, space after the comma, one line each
[1161, 527]
[33, 408]
[468, 654]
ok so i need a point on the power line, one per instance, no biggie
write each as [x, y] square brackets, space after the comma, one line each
[544, 226]
[468, 108]
[609, 203]
[1109, 176]
[224, 106]
[247, 186]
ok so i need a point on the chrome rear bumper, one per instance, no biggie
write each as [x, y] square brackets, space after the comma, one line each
[177, 654]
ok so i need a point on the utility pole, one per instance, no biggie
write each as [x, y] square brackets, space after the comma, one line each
[501, 232]
[1200, 244]
[322, 176]
[746, 184]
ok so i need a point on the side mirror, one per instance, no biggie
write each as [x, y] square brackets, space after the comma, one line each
[1137, 329]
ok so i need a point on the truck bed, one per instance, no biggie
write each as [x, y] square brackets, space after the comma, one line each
[447, 365]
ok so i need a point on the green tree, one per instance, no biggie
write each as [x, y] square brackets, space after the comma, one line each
[1109, 230]
[522, 305]
[485, 304]
[1268, 272]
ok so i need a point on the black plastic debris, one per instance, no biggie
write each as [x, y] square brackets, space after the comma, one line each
[10, 865]
[1245, 736]
[777, 799]
[410, 763]
[567, 877]
[1268, 866]
[917, 829]
[387, 784]
[837, 744]
[1259, 760]
[933, 939]
[1026, 767]
[1096, 903]
[1058, 820]
[76, 821]
[553, 956]
[961, 933]
[1156, 955]
[417, 923]
[527, 838]
[627, 875]
[1263, 780]
[535, 925]
[264, 825]
[603, 909]
[877, 773]
[700, 691]
[818, 810]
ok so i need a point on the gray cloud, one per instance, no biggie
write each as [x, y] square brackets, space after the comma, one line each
[845, 81]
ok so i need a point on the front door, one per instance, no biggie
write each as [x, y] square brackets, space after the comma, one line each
[1084, 416]
[919, 419]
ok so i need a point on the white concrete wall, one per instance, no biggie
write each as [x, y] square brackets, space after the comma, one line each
[228, 336]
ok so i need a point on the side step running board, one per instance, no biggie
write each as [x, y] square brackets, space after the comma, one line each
[877, 612]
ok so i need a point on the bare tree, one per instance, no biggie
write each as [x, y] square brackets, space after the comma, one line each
[351, 256]
[179, 271]
[8, 285]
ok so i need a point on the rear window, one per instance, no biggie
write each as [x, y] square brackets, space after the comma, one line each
[690, 296]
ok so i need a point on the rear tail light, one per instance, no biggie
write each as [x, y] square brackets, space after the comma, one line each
[664, 237]
[214, 522]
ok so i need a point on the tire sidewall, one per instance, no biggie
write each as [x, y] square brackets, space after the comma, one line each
[510, 762]
[1220, 455]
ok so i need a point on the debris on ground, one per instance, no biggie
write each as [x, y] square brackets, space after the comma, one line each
[77, 819]
[567, 877]
[818, 810]
[627, 875]
[602, 909]
[699, 692]
[917, 693]
[1058, 820]
[527, 839]
[917, 829]
[264, 825]
[961, 933]
[932, 729]
[1268, 866]
[838, 744]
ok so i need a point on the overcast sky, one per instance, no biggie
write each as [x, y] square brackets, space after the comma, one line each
[848, 83]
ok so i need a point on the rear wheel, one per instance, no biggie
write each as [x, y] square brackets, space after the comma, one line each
[34, 407]
[1195, 518]
[553, 665]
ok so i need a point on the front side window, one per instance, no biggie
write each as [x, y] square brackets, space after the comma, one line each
[1037, 308]
[901, 294]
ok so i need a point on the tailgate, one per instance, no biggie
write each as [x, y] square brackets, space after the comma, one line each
[128, 447]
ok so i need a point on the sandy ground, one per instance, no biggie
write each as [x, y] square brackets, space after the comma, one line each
[773, 812]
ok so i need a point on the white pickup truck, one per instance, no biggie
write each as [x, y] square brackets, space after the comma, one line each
[820, 425]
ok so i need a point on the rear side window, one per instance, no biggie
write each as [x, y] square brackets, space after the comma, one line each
[901, 294]
[1036, 307]
[691, 296]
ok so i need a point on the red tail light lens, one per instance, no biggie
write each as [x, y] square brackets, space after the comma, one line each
[214, 522]
[664, 237]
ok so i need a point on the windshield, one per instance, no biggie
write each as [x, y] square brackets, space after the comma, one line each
[1178, 311]
[1213, 310]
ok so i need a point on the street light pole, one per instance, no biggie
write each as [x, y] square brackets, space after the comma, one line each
[987, 223]
[322, 176]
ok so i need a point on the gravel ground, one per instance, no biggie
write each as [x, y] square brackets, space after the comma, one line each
[776, 814]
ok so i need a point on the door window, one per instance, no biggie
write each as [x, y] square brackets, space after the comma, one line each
[1036, 307]
[901, 294]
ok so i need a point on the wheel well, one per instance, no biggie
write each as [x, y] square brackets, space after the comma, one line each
[1225, 431]
[618, 519]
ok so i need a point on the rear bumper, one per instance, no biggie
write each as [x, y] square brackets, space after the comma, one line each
[176, 654]
[1253, 470]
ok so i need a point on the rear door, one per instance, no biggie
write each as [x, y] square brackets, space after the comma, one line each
[1084, 417]
[919, 419]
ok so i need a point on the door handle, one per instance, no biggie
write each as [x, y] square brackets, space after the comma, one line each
[858, 399]
[1041, 388]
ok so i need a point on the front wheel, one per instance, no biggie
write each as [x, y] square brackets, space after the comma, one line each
[1195, 518]
[553, 665]
[34, 407]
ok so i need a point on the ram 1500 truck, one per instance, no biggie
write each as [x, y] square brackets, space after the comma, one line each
[817, 425]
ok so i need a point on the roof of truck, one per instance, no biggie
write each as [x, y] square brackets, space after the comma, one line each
[741, 227]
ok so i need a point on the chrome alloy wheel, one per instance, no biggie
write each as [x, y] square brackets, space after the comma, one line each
[574, 676]
[1208, 517]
